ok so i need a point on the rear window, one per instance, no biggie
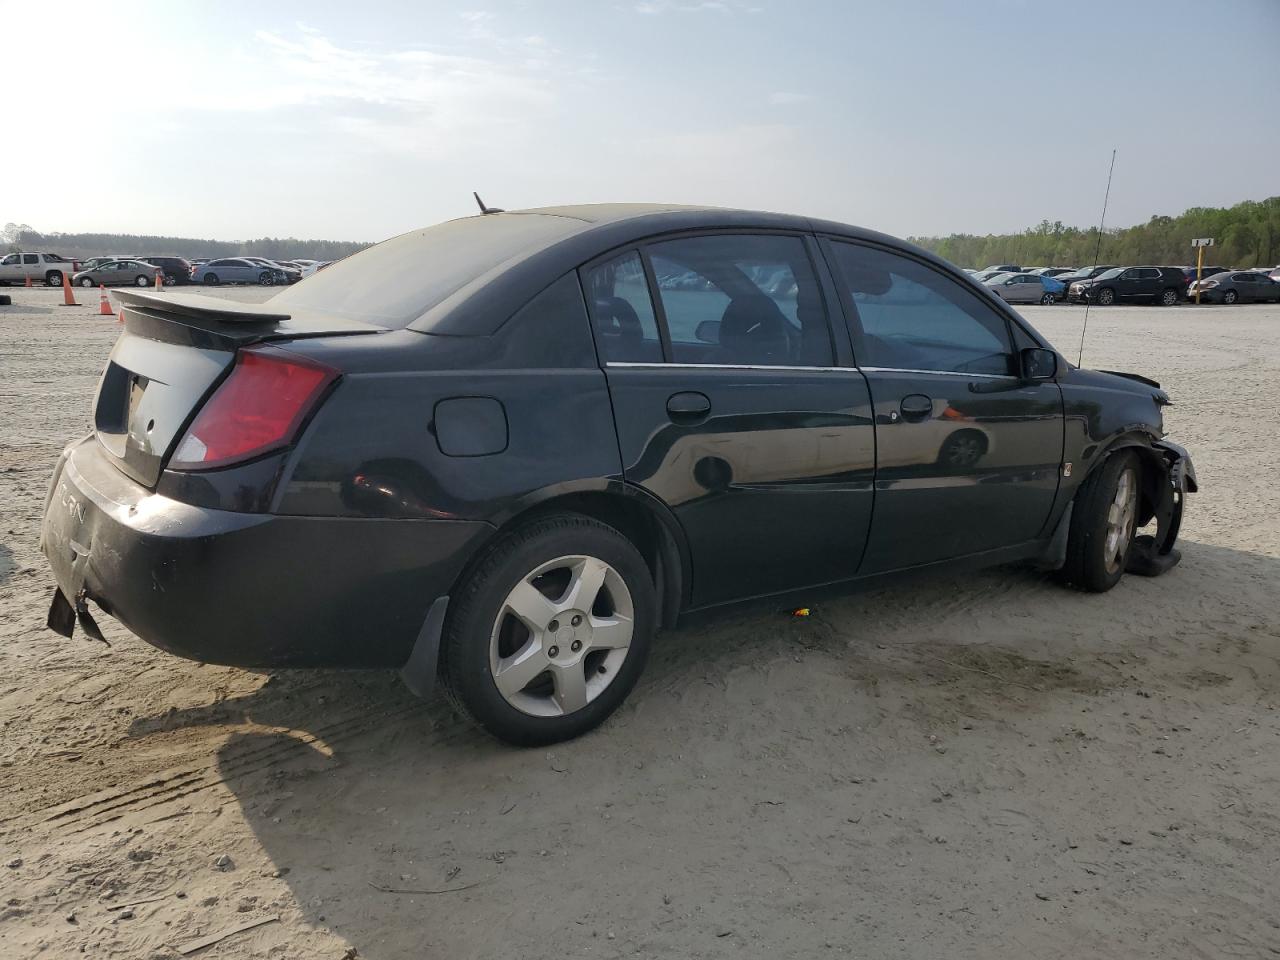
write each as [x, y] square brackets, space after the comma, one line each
[395, 282]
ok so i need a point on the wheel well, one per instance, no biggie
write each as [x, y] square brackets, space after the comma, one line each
[1151, 469]
[640, 525]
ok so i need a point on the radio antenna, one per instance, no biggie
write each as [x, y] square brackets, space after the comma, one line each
[1097, 251]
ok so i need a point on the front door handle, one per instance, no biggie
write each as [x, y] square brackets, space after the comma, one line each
[915, 407]
[688, 406]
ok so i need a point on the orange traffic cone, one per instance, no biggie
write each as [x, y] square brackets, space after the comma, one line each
[68, 298]
[159, 280]
[120, 316]
[28, 283]
[104, 305]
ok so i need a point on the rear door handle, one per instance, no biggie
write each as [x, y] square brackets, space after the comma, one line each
[687, 407]
[915, 406]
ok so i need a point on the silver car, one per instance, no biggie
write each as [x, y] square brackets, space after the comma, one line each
[117, 273]
[1020, 288]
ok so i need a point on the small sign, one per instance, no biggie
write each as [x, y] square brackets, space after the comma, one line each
[1202, 242]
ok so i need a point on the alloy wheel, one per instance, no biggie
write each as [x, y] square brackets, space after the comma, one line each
[1121, 513]
[561, 636]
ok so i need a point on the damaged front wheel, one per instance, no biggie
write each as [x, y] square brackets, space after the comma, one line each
[1102, 524]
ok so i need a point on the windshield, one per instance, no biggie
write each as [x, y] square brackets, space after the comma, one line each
[396, 281]
[1111, 274]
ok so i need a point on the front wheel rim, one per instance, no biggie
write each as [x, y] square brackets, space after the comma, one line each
[561, 636]
[1121, 513]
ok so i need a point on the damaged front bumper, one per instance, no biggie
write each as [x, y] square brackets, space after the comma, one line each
[1154, 554]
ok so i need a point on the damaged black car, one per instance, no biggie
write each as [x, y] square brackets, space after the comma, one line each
[502, 452]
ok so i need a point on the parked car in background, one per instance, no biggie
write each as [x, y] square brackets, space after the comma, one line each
[1055, 271]
[315, 267]
[176, 269]
[235, 270]
[1244, 286]
[1069, 280]
[1162, 285]
[94, 262]
[282, 274]
[49, 267]
[1004, 268]
[605, 454]
[116, 273]
[982, 276]
[1022, 288]
[1205, 273]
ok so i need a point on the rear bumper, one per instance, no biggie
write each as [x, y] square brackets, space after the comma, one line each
[253, 590]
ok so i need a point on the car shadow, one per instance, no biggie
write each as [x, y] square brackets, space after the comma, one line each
[7, 564]
[406, 832]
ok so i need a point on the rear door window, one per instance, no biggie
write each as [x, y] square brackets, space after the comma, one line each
[622, 312]
[741, 300]
[914, 318]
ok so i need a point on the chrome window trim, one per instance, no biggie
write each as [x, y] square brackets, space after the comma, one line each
[940, 373]
[650, 365]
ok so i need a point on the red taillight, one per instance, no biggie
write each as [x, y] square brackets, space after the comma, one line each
[257, 409]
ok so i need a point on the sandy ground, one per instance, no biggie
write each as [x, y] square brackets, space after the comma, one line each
[981, 766]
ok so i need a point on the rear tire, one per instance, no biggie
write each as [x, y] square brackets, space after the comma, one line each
[53, 278]
[1047, 299]
[142, 280]
[588, 611]
[1103, 524]
[1169, 298]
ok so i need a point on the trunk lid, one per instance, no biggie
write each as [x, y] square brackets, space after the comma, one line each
[174, 350]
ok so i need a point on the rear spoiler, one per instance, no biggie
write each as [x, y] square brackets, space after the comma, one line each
[192, 317]
[201, 307]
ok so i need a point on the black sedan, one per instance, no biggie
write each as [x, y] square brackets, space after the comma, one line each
[582, 424]
[1241, 286]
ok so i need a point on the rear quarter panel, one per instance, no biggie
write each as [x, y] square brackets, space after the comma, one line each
[372, 449]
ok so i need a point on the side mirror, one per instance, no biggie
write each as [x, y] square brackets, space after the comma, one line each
[708, 331]
[1039, 364]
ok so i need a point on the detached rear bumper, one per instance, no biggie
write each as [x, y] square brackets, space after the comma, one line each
[253, 590]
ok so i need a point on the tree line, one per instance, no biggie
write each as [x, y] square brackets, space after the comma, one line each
[1245, 235]
[83, 245]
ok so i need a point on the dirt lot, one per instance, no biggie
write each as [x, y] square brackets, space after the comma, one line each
[984, 766]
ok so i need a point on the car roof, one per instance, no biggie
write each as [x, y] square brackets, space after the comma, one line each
[484, 304]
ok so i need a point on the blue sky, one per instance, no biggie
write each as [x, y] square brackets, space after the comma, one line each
[362, 120]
